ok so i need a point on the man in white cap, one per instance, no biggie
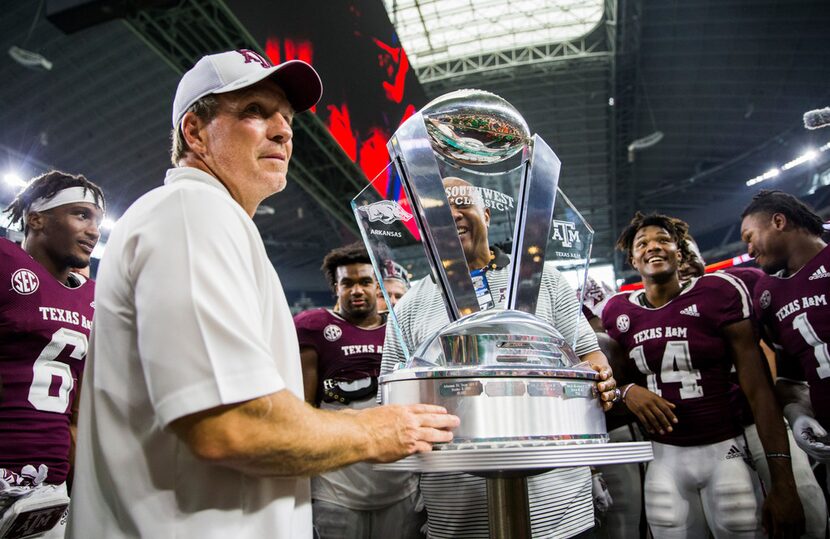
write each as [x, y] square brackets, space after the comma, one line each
[192, 423]
[46, 312]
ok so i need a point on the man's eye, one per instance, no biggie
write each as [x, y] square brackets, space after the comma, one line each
[253, 109]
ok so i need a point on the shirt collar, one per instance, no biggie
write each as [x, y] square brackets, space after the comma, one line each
[193, 174]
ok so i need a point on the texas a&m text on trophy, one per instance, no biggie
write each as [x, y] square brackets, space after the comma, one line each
[470, 208]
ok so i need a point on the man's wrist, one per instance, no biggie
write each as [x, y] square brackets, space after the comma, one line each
[794, 410]
[626, 388]
[781, 472]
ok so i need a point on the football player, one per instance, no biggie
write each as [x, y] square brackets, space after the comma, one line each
[784, 236]
[682, 342]
[341, 352]
[45, 318]
[809, 491]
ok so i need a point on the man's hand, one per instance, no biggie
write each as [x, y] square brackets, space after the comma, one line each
[399, 431]
[654, 412]
[811, 437]
[607, 387]
[599, 490]
[782, 514]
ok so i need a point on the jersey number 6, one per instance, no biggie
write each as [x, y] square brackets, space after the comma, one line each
[46, 368]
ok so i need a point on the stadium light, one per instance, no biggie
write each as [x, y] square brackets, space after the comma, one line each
[771, 173]
[809, 155]
[107, 223]
[13, 179]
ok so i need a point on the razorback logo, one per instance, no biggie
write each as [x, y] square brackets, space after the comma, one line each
[386, 211]
[253, 56]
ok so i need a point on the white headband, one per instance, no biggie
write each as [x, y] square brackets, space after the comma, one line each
[70, 195]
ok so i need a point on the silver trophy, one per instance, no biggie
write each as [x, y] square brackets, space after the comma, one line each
[470, 207]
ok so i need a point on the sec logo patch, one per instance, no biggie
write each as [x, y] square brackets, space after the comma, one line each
[332, 332]
[24, 282]
[766, 299]
[623, 323]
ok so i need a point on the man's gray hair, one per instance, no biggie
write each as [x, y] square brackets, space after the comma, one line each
[205, 108]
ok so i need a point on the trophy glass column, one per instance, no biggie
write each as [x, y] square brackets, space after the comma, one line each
[471, 202]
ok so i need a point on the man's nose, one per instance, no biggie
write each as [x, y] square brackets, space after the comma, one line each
[93, 230]
[280, 129]
[358, 289]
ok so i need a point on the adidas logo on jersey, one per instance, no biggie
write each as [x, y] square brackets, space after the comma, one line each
[691, 310]
[734, 453]
[819, 273]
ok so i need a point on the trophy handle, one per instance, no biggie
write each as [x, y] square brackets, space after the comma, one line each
[418, 169]
[535, 203]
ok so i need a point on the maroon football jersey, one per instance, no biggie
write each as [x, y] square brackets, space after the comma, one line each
[44, 329]
[345, 352]
[678, 352]
[750, 277]
[795, 311]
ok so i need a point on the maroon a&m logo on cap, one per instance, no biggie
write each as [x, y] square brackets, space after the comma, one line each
[253, 56]
[24, 282]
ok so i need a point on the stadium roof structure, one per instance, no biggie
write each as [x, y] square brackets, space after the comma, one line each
[725, 83]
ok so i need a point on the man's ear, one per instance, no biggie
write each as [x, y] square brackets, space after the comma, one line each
[192, 132]
[778, 221]
[487, 216]
[35, 221]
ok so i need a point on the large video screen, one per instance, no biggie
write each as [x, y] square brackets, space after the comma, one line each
[369, 88]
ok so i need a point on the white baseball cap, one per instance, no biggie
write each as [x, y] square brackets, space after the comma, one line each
[233, 70]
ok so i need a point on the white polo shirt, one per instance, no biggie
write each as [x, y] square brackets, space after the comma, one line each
[190, 316]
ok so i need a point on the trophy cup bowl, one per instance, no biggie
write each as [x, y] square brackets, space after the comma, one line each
[474, 127]
[509, 376]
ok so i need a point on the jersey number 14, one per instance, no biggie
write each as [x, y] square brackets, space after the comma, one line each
[676, 367]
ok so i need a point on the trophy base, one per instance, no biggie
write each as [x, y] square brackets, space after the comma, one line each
[522, 458]
[499, 411]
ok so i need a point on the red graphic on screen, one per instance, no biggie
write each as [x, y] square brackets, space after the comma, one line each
[374, 158]
[364, 144]
[394, 62]
[291, 50]
[340, 126]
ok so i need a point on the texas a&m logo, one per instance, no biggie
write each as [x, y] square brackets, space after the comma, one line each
[566, 232]
[24, 282]
[253, 56]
